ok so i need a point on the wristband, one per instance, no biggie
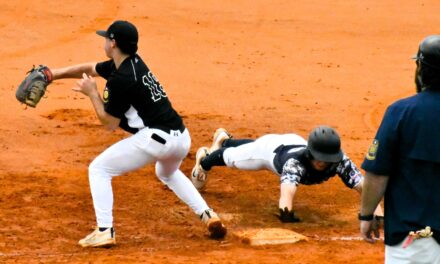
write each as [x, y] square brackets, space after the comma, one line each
[365, 217]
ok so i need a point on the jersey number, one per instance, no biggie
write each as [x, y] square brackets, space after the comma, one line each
[156, 89]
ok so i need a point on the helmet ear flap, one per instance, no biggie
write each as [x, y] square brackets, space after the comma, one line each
[308, 154]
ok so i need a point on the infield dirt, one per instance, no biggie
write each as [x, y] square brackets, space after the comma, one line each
[253, 67]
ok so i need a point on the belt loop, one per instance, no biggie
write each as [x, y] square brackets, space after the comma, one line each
[181, 129]
[175, 133]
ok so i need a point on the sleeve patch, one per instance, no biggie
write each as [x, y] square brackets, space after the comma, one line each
[105, 95]
[372, 150]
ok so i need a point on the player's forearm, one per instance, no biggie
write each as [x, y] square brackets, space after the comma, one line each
[378, 211]
[287, 192]
[373, 189]
[74, 71]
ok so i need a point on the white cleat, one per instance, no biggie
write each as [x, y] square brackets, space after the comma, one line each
[220, 136]
[215, 226]
[99, 239]
[198, 175]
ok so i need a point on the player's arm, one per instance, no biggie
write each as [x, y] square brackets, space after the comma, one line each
[75, 71]
[352, 178]
[287, 193]
[378, 208]
[289, 179]
[372, 189]
[87, 86]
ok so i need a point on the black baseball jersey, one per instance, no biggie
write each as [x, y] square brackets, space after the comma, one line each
[292, 163]
[134, 95]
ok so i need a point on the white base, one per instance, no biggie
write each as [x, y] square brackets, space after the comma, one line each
[269, 236]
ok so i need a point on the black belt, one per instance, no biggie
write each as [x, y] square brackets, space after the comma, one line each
[168, 129]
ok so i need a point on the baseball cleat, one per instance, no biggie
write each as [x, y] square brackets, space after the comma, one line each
[198, 175]
[220, 136]
[106, 238]
[215, 226]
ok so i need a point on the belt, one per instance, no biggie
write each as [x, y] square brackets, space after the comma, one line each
[166, 129]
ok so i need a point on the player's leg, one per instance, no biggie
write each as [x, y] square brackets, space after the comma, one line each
[252, 155]
[207, 159]
[247, 155]
[222, 139]
[169, 173]
[167, 170]
[256, 155]
[119, 158]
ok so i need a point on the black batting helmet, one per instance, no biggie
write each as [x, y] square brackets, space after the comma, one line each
[324, 144]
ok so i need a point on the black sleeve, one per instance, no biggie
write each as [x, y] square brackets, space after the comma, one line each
[384, 149]
[118, 97]
[105, 68]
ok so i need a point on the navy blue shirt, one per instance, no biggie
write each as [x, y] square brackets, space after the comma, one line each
[133, 94]
[407, 149]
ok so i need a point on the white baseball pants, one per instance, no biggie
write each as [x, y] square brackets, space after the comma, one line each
[135, 152]
[259, 154]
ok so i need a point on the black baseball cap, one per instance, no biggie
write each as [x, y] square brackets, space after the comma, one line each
[124, 33]
[429, 52]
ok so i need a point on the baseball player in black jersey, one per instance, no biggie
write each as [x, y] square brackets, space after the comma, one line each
[295, 160]
[134, 100]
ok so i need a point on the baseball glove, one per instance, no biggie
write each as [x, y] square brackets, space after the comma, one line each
[33, 87]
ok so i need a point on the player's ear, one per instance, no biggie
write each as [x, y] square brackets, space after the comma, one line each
[113, 43]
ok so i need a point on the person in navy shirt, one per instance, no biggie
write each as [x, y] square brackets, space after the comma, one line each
[403, 166]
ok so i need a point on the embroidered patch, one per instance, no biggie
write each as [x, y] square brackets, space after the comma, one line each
[372, 150]
[105, 95]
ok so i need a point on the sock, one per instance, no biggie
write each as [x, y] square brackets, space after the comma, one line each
[235, 142]
[213, 159]
[102, 229]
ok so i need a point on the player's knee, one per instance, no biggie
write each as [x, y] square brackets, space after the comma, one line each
[166, 175]
[96, 168]
[93, 170]
[163, 175]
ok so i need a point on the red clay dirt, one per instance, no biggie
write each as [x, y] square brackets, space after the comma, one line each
[250, 66]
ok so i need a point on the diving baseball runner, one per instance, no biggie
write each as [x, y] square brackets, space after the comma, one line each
[295, 160]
